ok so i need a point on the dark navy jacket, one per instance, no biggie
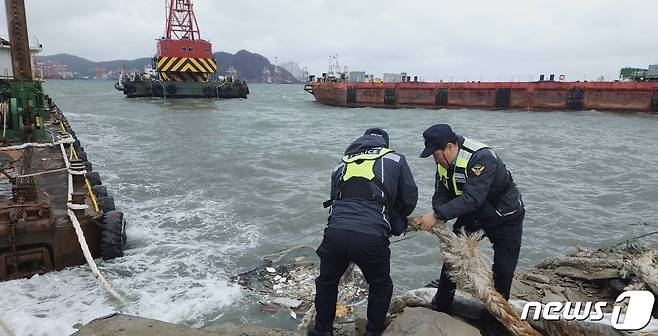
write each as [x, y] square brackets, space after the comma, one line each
[487, 200]
[372, 217]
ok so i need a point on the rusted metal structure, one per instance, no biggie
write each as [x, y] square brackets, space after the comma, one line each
[20, 47]
[541, 96]
[47, 182]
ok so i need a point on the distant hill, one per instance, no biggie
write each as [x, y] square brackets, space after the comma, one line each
[249, 65]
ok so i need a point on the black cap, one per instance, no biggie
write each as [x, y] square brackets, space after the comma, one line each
[376, 131]
[436, 137]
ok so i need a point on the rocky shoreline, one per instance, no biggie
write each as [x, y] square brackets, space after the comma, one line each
[284, 281]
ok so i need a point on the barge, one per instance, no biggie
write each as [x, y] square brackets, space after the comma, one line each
[54, 210]
[535, 96]
[184, 66]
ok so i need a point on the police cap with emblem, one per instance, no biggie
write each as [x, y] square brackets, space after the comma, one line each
[437, 137]
[376, 131]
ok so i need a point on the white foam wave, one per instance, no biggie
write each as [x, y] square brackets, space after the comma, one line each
[174, 270]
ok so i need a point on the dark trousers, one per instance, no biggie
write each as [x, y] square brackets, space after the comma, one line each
[506, 240]
[372, 254]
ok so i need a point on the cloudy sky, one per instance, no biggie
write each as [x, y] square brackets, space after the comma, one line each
[437, 39]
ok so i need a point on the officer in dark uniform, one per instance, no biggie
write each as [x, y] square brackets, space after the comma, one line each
[474, 186]
[372, 193]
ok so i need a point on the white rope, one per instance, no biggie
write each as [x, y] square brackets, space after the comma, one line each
[78, 206]
[4, 109]
[90, 260]
[81, 236]
[6, 329]
[52, 136]
[66, 140]
[44, 172]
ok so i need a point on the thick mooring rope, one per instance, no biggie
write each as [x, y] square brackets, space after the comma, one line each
[6, 329]
[644, 267]
[81, 237]
[471, 271]
[90, 260]
[38, 145]
[586, 262]
[309, 318]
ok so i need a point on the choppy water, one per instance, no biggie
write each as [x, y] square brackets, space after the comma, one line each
[210, 186]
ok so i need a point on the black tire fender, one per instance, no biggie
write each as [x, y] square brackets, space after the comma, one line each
[99, 190]
[157, 90]
[113, 235]
[171, 89]
[77, 145]
[106, 203]
[209, 92]
[94, 178]
[82, 156]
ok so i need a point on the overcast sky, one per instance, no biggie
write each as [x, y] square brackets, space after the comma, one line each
[436, 39]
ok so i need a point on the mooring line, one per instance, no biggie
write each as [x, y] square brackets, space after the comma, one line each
[6, 329]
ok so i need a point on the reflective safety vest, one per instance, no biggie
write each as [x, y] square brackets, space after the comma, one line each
[459, 176]
[359, 175]
[362, 164]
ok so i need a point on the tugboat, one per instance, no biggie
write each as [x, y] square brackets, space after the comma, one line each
[184, 64]
[54, 210]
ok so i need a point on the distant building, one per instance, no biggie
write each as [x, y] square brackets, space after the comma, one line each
[66, 75]
[6, 69]
[357, 76]
[265, 76]
[633, 74]
[295, 70]
[392, 77]
[52, 70]
[652, 72]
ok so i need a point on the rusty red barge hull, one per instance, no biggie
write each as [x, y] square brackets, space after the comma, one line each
[553, 96]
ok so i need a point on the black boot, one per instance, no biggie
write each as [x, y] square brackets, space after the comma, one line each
[435, 306]
[442, 308]
[489, 326]
[370, 333]
[313, 332]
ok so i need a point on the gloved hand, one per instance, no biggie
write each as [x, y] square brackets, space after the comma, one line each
[428, 221]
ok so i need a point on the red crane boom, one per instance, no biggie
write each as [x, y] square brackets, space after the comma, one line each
[181, 22]
[182, 36]
[182, 54]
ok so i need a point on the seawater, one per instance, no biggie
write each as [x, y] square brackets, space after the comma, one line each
[210, 186]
